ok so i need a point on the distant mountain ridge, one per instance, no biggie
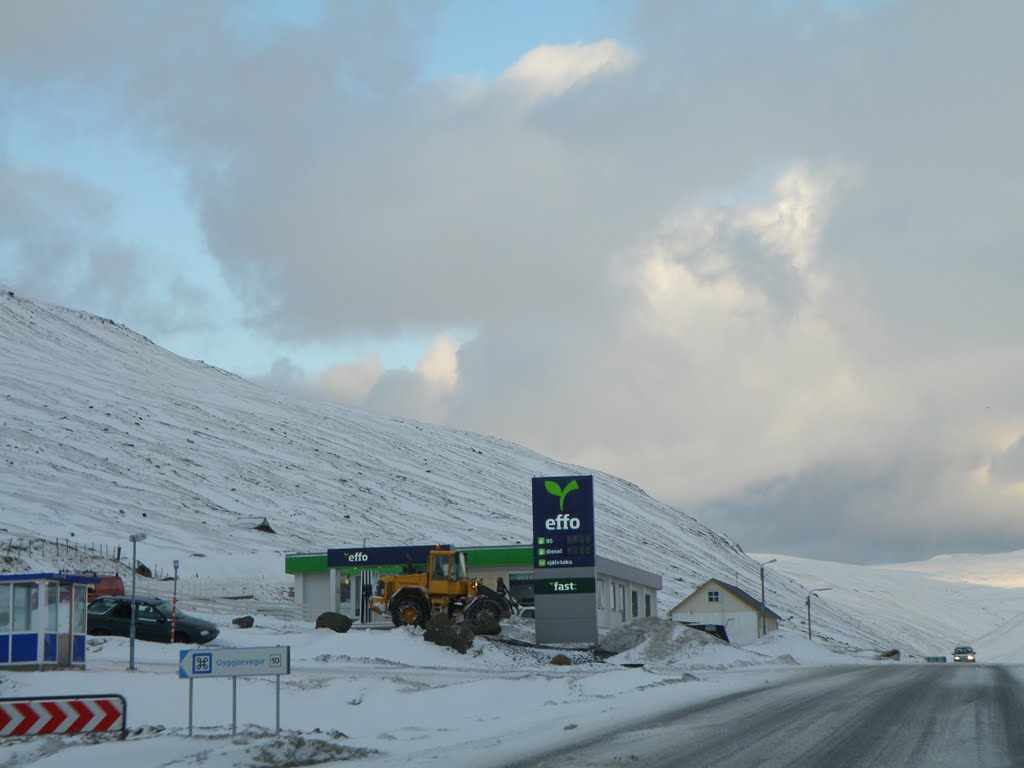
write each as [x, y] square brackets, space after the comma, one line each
[106, 433]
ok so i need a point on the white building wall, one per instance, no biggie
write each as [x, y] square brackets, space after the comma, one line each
[313, 593]
[741, 626]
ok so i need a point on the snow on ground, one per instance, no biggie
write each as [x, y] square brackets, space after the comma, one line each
[387, 697]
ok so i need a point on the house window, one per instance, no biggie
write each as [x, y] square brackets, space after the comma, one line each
[647, 605]
[713, 596]
[636, 604]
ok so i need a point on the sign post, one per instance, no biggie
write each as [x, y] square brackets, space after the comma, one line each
[565, 574]
[235, 663]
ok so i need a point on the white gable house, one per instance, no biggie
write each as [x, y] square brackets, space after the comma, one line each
[716, 604]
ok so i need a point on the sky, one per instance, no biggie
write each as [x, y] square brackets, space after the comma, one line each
[761, 259]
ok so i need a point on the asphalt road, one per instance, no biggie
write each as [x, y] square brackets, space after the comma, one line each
[905, 715]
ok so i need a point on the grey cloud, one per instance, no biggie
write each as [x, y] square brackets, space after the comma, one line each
[1008, 467]
[867, 513]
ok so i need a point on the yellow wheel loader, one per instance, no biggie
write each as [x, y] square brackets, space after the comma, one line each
[412, 598]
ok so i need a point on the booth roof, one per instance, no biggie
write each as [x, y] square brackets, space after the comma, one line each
[72, 577]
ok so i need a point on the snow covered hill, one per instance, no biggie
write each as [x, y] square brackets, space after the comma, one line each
[106, 434]
[932, 605]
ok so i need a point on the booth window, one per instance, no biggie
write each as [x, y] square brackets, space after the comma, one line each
[52, 590]
[5, 608]
[81, 596]
[26, 607]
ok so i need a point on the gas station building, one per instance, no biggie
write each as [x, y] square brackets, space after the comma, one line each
[334, 580]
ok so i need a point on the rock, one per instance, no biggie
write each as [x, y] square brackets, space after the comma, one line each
[243, 622]
[441, 631]
[561, 660]
[485, 624]
[892, 655]
[143, 570]
[339, 622]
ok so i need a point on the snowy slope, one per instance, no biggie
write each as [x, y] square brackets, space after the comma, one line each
[931, 605]
[105, 434]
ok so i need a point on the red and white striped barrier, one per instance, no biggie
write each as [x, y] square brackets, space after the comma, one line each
[63, 714]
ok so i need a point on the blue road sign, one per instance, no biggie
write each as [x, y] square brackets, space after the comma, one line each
[235, 662]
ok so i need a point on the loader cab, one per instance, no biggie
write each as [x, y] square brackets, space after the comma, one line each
[447, 570]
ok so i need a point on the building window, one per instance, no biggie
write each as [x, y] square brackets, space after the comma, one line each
[521, 587]
[600, 594]
[636, 604]
[647, 605]
[713, 596]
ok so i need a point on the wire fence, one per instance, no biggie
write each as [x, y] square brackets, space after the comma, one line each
[70, 555]
[20, 546]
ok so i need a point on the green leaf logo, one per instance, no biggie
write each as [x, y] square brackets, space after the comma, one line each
[556, 490]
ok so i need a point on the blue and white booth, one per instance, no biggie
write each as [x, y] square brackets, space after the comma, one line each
[43, 620]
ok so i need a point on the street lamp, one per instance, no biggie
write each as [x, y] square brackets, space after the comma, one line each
[135, 538]
[764, 626]
[812, 592]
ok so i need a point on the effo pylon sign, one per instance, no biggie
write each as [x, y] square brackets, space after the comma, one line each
[63, 714]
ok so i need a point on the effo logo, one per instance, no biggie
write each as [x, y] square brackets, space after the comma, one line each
[358, 557]
[556, 490]
[562, 522]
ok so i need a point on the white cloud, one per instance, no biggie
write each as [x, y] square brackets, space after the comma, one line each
[440, 364]
[352, 382]
[549, 70]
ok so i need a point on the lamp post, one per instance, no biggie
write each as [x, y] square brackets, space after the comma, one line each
[764, 626]
[174, 601]
[812, 592]
[135, 538]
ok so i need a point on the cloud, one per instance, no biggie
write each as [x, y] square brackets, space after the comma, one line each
[549, 70]
[763, 260]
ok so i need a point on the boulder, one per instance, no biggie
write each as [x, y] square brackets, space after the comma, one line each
[339, 622]
[892, 655]
[485, 624]
[243, 622]
[441, 631]
[561, 660]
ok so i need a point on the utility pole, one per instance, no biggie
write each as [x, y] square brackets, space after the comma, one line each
[174, 601]
[763, 629]
[812, 592]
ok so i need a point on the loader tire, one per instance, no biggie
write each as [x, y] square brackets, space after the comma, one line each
[410, 609]
[484, 605]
